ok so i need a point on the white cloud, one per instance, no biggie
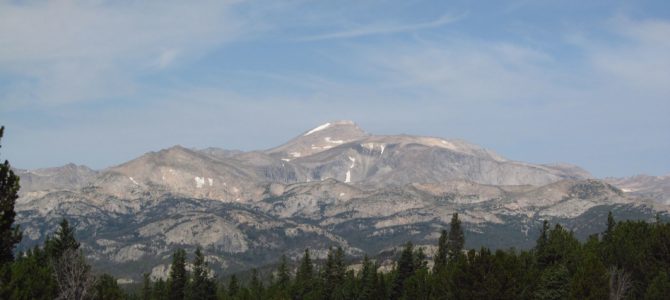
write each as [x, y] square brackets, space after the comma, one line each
[639, 60]
[70, 51]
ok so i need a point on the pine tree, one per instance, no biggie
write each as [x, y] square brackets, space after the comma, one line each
[304, 278]
[456, 240]
[368, 279]
[106, 288]
[146, 287]
[31, 277]
[554, 283]
[256, 286]
[405, 269]
[590, 279]
[281, 281]
[202, 287]
[10, 235]
[541, 244]
[607, 236]
[333, 273]
[233, 287]
[659, 288]
[63, 241]
[160, 290]
[442, 253]
[178, 275]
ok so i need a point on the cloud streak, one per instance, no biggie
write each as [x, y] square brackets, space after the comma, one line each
[380, 29]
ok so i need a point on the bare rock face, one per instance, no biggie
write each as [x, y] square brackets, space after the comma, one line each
[323, 137]
[69, 176]
[333, 185]
[653, 187]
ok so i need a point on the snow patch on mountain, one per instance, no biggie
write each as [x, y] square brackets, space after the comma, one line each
[318, 128]
[199, 181]
[329, 140]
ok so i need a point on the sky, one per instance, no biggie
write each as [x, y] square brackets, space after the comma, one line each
[102, 82]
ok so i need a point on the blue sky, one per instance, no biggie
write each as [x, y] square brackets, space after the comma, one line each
[99, 83]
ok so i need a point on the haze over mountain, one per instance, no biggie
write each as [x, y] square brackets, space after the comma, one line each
[332, 185]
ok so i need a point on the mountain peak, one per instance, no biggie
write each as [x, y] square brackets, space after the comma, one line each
[319, 138]
[332, 124]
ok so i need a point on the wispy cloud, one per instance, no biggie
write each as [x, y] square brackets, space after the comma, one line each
[69, 51]
[385, 28]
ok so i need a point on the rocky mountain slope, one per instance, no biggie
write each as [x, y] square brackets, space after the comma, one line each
[332, 185]
[654, 187]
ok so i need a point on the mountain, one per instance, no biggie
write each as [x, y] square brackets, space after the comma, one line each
[332, 185]
[69, 176]
[654, 187]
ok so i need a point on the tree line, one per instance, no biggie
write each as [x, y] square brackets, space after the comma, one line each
[629, 260]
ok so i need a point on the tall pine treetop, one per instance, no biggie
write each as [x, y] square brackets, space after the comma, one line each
[456, 240]
[9, 192]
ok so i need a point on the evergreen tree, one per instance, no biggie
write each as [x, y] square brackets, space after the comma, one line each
[368, 279]
[541, 244]
[590, 279]
[178, 275]
[202, 287]
[233, 287]
[106, 288]
[31, 277]
[146, 287]
[256, 286]
[442, 253]
[554, 283]
[281, 281]
[304, 278]
[160, 290]
[405, 268]
[607, 236]
[416, 286]
[10, 235]
[63, 241]
[456, 240]
[560, 247]
[659, 288]
[333, 273]
[349, 287]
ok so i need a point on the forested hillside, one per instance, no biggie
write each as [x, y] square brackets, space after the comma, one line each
[630, 260]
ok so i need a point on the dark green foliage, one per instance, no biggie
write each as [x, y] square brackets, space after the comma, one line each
[590, 280]
[106, 288]
[368, 279]
[178, 276]
[456, 240]
[333, 274]
[659, 288]
[303, 286]
[554, 283]
[281, 281]
[145, 293]
[561, 247]
[32, 277]
[9, 192]
[63, 241]
[160, 290]
[405, 268]
[442, 253]
[233, 287]
[256, 288]
[202, 286]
